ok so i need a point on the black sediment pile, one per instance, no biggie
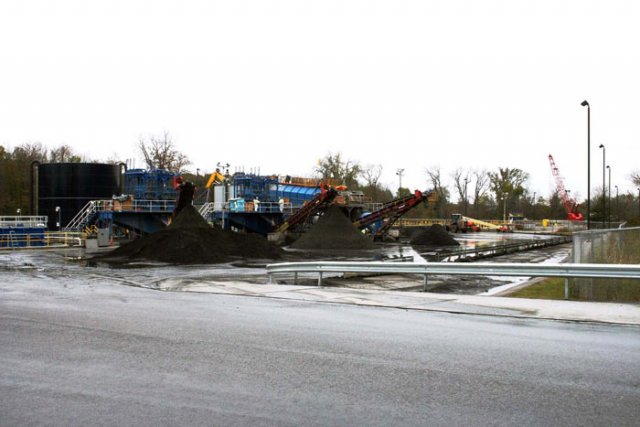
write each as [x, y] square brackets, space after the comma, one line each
[434, 235]
[191, 240]
[333, 231]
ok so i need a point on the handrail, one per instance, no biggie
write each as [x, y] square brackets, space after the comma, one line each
[43, 240]
[80, 219]
[609, 271]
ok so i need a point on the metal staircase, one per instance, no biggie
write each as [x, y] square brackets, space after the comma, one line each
[79, 222]
[206, 209]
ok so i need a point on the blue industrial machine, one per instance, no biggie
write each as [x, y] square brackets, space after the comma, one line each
[157, 184]
[22, 231]
[145, 205]
[258, 203]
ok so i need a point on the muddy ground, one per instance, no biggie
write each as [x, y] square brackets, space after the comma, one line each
[71, 267]
[448, 284]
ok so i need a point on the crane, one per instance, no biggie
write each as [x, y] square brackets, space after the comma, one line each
[569, 204]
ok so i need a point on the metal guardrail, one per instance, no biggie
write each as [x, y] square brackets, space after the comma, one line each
[608, 271]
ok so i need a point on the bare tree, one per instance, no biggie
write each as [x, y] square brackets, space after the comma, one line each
[480, 188]
[635, 178]
[64, 154]
[160, 153]
[371, 175]
[441, 191]
[461, 182]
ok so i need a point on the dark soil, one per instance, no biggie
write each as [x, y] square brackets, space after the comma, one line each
[191, 240]
[333, 230]
[435, 235]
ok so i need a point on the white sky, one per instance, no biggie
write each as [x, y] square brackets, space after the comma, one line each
[276, 85]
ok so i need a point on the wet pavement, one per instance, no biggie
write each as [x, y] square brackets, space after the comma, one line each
[89, 351]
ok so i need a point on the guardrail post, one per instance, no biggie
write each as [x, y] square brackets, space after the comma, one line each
[566, 288]
[270, 278]
[425, 283]
[320, 279]
[295, 278]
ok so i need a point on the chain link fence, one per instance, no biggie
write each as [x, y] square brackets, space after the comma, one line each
[613, 246]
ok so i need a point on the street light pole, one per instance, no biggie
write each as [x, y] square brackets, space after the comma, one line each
[609, 197]
[399, 172]
[533, 207]
[604, 188]
[617, 205]
[504, 207]
[586, 104]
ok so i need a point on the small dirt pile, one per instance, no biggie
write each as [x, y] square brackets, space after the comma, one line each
[191, 240]
[435, 235]
[333, 231]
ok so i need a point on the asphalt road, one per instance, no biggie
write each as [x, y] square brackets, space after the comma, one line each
[98, 353]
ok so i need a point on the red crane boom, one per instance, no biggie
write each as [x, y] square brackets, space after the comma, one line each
[570, 204]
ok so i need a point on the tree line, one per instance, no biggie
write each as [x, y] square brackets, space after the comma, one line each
[480, 193]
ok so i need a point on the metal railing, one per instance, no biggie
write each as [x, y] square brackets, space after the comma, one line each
[609, 271]
[494, 250]
[47, 239]
[79, 221]
[23, 221]
[82, 218]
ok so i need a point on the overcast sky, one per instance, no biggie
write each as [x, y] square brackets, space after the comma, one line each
[276, 85]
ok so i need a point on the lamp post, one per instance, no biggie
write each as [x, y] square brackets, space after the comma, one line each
[617, 206]
[533, 206]
[58, 223]
[604, 188]
[504, 207]
[586, 104]
[399, 172]
[609, 197]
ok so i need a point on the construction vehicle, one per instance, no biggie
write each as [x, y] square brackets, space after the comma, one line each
[570, 205]
[463, 224]
[379, 222]
[216, 176]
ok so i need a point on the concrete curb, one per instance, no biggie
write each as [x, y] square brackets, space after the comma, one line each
[575, 311]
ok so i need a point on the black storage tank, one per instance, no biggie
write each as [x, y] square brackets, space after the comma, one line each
[70, 186]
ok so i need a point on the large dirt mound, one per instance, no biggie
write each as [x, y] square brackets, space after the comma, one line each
[191, 240]
[333, 231]
[435, 235]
